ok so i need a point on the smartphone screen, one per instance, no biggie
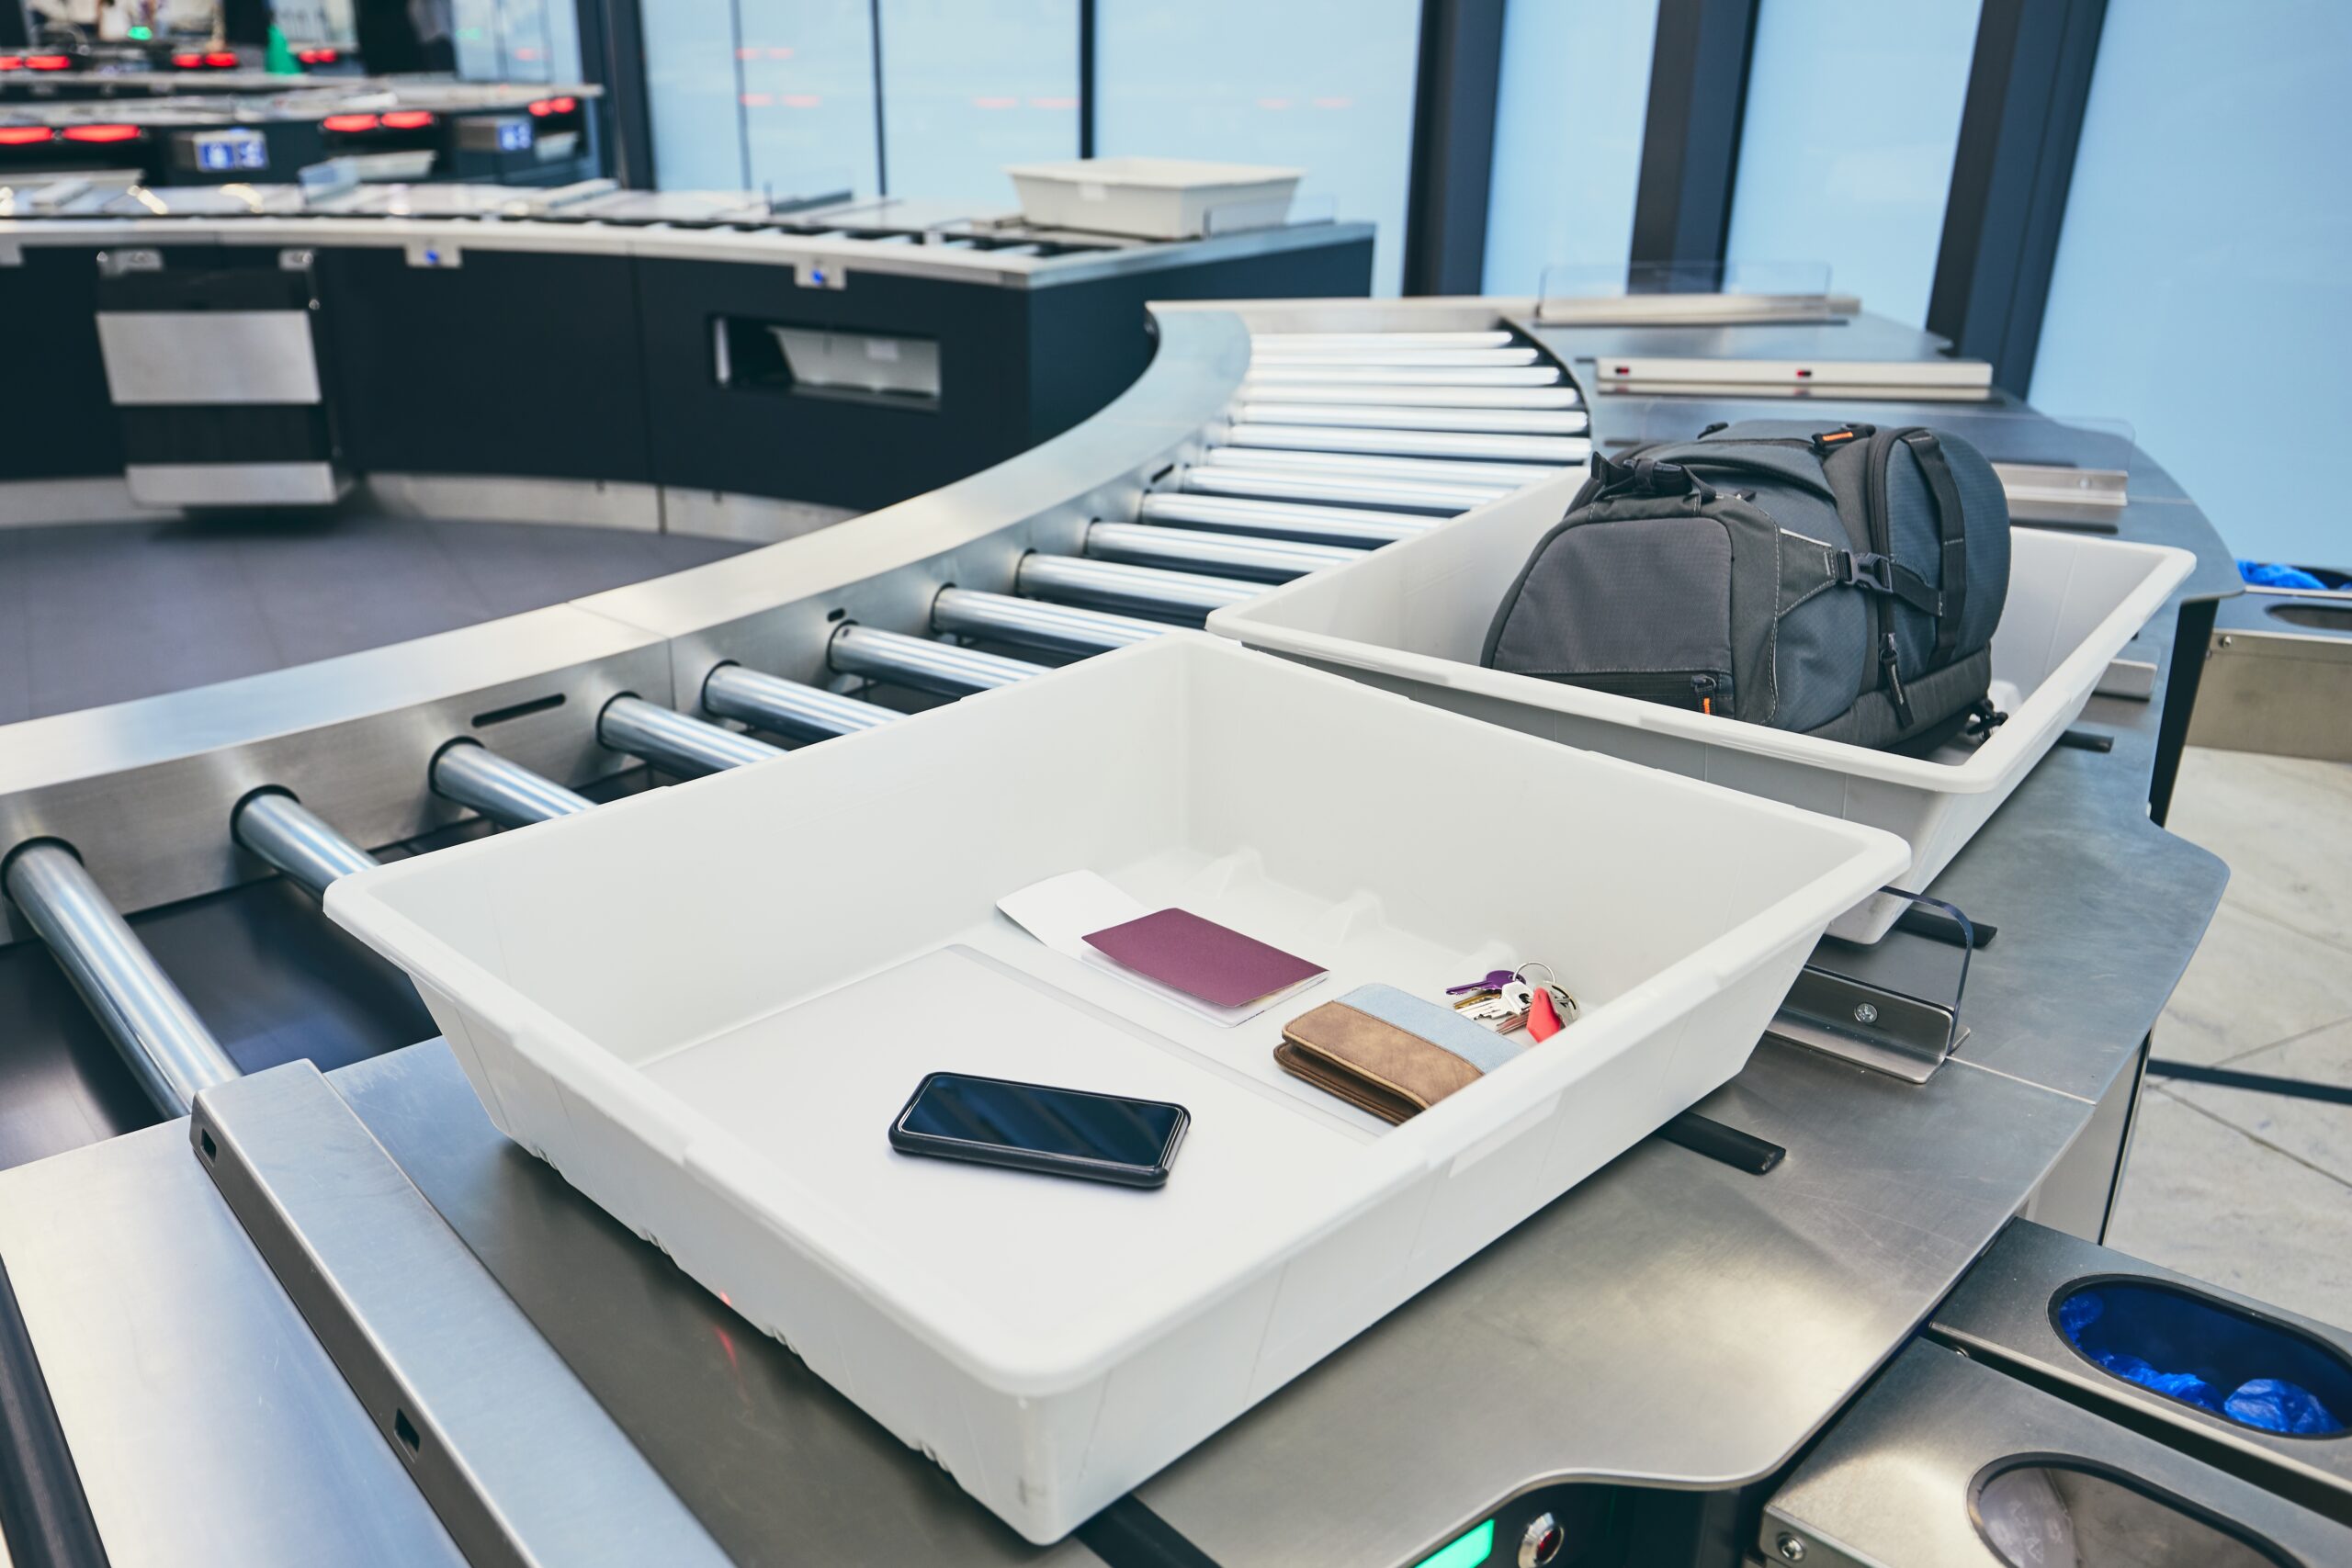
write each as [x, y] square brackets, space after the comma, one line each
[1035, 1127]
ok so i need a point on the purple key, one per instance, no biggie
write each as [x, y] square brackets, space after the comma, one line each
[1495, 981]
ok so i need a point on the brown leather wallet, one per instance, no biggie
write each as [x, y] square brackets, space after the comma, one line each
[1371, 1064]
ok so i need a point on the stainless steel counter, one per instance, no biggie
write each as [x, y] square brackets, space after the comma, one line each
[1670, 1322]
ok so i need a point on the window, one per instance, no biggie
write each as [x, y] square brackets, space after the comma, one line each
[2199, 290]
[806, 74]
[1568, 117]
[1326, 85]
[691, 92]
[971, 85]
[1846, 148]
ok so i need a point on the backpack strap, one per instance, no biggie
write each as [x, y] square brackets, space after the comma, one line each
[1951, 528]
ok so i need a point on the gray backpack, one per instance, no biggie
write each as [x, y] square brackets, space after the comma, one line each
[1837, 583]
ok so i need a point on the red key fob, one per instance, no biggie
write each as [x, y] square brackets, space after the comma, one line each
[1543, 1019]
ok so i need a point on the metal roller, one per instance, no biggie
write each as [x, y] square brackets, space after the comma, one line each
[1283, 520]
[788, 707]
[1359, 465]
[1264, 560]
[1494, 338]
[297, 843]
[922, 664]
[1184, 595]
[1498, 422]
[165, 1044]
[1413, 443]
[1405, 376]
[1028, 623]
[507, 793]
[679, 744]
[1339, 489]
[1436, 359]
[1397, 394]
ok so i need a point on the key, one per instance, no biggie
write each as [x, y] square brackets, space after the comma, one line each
[1496, 979]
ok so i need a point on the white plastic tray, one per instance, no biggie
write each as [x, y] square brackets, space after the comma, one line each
[1156, 199]
[1413, 618]
[705, 1004]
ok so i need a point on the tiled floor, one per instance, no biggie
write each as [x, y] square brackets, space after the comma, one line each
[2253, 1190]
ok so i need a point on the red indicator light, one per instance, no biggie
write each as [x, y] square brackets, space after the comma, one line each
[407, 119]
[1802, 372]
[565, 106]
[48, 61]
[102, 133]
[22, 135]
[319, 56]
[12, 62]
[347, 123]
[188, 62]
[221, 59]
[543, 107]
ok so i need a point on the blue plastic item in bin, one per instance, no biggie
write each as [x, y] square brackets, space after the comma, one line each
[2200, 1352]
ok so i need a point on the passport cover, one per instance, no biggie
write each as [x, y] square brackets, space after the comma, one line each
[1201, 958]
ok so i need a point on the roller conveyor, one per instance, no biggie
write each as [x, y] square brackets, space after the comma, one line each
[1061, 628]
[1279, 343]
[1399, 394]
[506, 792]
[787, 707]
[1360, 528]
[1278, 373]
[1509, 422]
[1336, 489]
[922, 664]
[1184, 595]
[167, 1046]
[302, 845]
[674, 742]
[1411, 443]
[1436, 470]
[1456, 359]
[1264, 560]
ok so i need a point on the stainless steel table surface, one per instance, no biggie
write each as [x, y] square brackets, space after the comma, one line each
[1669, 1321]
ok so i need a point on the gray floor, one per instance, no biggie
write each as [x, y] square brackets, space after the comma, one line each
[2253, 1190]
[104, 612]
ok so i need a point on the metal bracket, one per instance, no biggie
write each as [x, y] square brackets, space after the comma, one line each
[521, 1463]
[1881, 1029]
[2045, 493]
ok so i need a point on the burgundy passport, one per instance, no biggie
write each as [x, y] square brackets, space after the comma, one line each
[1201, 958]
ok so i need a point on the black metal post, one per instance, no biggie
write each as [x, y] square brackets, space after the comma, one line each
[1454, 93]
[612, 55]
[2019, 129]
[1690, 138]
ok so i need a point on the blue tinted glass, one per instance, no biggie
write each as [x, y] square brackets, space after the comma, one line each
[971, 85]
[807, 68]
[1846, 151]
[1044, 1120]
[2201, 292]
[691, 96]
[1326, 85]
[1576, 88]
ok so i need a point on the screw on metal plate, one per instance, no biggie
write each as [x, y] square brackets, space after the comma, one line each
[293, 261]
[1866, 1013]
[1791, 1549]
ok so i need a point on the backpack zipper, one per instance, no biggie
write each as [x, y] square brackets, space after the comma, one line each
[1881, 447]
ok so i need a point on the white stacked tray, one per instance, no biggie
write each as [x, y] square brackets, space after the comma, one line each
[1154, 199]
[1413, 618]
[704, 1005]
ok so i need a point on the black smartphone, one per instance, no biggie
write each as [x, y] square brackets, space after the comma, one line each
[1055, 1132]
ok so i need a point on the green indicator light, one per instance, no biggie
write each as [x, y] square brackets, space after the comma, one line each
[142, 34]
[1462, 1551]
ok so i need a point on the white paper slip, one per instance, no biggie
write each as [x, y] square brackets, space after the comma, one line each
[1061, 910]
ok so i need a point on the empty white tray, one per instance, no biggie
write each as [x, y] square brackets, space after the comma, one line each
[1413, 618]
[705, 1004]
[1156, 199]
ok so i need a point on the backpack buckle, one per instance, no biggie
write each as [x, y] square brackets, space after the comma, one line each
[1871, 571]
